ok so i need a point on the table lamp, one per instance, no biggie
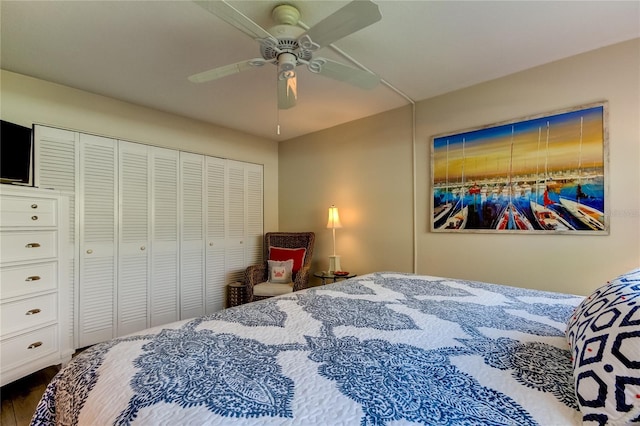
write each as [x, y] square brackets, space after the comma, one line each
[333, 223]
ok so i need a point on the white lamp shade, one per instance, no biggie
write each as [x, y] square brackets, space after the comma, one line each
[334, 218]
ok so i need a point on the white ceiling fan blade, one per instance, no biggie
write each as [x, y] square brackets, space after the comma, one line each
[233, 16]
[341, 72]
[351, 18]
[287, 93]
[226, 70]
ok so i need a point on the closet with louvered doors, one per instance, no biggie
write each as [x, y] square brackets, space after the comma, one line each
[55, 167]
[165, 243]
[215, 223]
[98, 244]
[148, 250]
[192, 238]
[243, 222]
[234, 225]
[145, 249]
[221, 228]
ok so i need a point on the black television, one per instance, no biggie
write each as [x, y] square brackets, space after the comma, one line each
[16, 154]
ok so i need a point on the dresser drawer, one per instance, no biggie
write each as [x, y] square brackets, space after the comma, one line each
[27, 313]
[28, 279]
[28, 347]
[28, 245]
[25, 211]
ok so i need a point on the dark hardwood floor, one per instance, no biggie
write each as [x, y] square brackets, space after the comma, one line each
[20, 398]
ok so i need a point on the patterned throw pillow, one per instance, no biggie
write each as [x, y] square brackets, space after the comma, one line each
[280, 272]
[604, 337]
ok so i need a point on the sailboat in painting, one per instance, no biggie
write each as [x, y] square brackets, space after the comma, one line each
[442, 210]
[590, 216]
[549, 219]
[545, 216]
[511, 217]
[457, 218]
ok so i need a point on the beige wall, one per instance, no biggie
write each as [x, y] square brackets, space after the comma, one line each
[364, 167]
[27, 100]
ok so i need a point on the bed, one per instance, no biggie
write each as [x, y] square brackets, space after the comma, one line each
[385, 348]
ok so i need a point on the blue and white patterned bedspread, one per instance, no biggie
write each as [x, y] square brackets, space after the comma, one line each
[379, 349]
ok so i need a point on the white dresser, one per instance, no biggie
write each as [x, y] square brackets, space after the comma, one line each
[34, 302]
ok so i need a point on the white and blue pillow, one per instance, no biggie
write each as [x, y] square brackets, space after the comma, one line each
[604, 337]
[280, 272]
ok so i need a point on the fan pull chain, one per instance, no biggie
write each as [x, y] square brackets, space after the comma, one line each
[277, 113]
[278, 121]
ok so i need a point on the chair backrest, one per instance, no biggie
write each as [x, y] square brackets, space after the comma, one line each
[290, 240]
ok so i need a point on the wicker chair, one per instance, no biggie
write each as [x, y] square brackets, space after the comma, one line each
[258, 274]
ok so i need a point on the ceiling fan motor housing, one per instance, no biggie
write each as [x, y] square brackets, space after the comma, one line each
[287, 37]
[287, 34]
[285, 14]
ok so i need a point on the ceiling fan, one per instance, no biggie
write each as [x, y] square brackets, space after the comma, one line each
[287, 45]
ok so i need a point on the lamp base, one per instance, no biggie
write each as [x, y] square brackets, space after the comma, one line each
[334, 263]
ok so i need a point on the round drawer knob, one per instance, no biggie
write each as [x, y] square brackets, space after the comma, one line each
[89, 251]
[143, 248]
[34, 217]
[34, 206]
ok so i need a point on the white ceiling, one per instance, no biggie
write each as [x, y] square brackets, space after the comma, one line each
[143, 51]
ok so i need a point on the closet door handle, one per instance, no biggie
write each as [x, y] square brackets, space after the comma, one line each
[32, 278]
[33, 311]
[33, 245]
[34, 345]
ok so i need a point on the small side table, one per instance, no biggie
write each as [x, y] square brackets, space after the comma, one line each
[236, 294]
[324, 276]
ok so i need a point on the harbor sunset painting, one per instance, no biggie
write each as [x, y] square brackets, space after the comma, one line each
[541, 174]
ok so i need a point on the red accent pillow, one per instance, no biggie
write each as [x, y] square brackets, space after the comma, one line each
[283, 254]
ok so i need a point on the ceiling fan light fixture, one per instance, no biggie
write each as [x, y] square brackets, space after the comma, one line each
[286, 75]
[287, 63]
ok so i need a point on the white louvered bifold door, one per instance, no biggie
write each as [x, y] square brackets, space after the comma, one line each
[236, 221]
[56, 166]
[164, 298]
[255, 216]
[98, 239]
[215, 225]
[192, 257]
[134, 247]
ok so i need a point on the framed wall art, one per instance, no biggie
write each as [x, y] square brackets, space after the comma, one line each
[539, 174]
